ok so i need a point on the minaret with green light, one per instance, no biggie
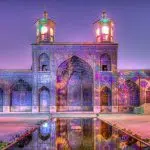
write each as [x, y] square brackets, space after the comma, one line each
[45, 30]
[104, 29]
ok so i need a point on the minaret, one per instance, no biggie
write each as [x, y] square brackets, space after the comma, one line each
[45, 29]
[104, 29]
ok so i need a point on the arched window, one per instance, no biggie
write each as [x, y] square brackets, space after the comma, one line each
[133, 93]
[21, 96]
[44, 62]
[1, 100]
[105, 97]
[44, 99]
[148, 95]
[105, 62]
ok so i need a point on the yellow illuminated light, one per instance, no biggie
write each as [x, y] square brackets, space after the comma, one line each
[105, 30]
[51, 32]
[44, 29]
[42, 37]
[112, 24]
[97, 31]
[111, 32]
[51, 39]
[37, 32]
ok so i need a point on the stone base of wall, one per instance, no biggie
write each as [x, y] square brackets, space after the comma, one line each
[114, 109]
[44, 109]
[52, 109]
[123, 109]
[1, 108]
[21, 108]
[35, 109]
[97, 109]
[75, 109]
[6, 109]
[106, 109]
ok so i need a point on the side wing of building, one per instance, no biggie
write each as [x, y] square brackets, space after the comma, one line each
[16, 90]
[133, 89]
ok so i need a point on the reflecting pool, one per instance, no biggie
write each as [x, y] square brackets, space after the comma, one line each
[78, 134]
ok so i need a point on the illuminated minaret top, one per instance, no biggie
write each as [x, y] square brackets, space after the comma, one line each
[104, 29]
[45, 29]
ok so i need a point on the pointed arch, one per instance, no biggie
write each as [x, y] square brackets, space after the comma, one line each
[148, 95]
[105, 62]
[44, 99]
[74, 85]
[105, 96]
[133, 93]
[129, 94]
[44, 62]
[1, 99]
[21, 96]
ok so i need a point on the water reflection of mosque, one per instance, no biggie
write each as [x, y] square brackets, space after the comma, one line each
[78, 134]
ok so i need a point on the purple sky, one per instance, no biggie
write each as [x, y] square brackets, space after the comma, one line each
[74, 20]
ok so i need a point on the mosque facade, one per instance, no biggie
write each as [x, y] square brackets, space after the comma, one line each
[75, 77]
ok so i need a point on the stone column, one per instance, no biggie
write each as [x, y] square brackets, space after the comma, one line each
[6, 101]
[53, 84]
[53, 93]
[114, 93]
[35, 100]
[96, 87]
[34, 61]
